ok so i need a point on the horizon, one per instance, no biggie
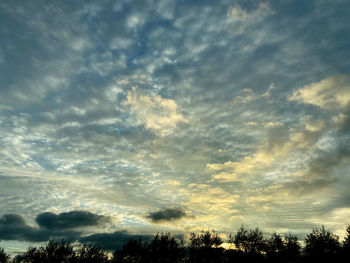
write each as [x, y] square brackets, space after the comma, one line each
[121, 118]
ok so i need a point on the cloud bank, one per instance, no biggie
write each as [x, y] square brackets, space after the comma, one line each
[63, 226]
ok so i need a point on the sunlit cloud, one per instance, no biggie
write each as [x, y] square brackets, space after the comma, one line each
[158, 114]
[330, 93]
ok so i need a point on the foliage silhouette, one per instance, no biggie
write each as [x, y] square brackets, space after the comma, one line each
[204, 247]
[165, 248]
[91, 254]
[346, 246]
[4, 258]
[346, 242]
[291, 250]
[250, 241]
[134, 251]
[53, 252]
[274, 247]
[248, 245]
[322, 245]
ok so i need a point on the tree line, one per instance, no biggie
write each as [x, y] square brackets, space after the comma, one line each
[246, 245]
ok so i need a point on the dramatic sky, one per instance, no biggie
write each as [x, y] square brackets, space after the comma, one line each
[121, 118]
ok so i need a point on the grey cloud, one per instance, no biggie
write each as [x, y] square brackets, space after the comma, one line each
[167, 214]
[14, 227]
[322, 170]
[111, 241]
[320, 175]
[12, 219]
[69, 220]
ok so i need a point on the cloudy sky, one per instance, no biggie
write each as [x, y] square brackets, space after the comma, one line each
[121, 118]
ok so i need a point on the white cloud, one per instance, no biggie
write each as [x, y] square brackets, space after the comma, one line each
[157, 114]
[135, 21]
[330, 93]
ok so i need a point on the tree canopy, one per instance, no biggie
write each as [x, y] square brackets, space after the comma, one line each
[247, 245]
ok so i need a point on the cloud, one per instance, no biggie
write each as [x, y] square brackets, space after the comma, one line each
[318, 180]
[237, 13]
[330, 93]
[280, 144]
[313, 183]
[158, 114]
[250, 96]
[112, 241]
[68, 220]
[167, 214]
[211, 204]
[243, 19]
[12, 219]
[342, 121]
[14, 227]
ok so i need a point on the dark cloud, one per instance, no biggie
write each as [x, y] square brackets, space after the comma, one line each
[14, 227]
[167, 214]
[111, 241]
[69, 220]
[12, 219]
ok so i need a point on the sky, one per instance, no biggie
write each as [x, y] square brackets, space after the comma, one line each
[127, 118]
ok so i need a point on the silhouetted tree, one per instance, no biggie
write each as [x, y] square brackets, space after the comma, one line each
[291, 250]
[274, 247]
[32, 255]
[4, 258]
[204, 247]
[165, 248]
[59, 251]
[134, 251]
[91, 254]
[53, 252]
[239, 239]
[322, 245]
[280, 249]
[346, 242]
[346, 245]
[251, 241]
